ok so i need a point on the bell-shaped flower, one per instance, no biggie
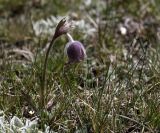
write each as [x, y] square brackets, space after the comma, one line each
[75, 50]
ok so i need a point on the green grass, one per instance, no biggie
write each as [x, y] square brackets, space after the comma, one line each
[97, 95]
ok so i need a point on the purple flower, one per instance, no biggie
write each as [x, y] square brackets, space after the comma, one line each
[75, 51]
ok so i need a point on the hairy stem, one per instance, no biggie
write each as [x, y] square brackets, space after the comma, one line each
[42, 91]
[69, 37]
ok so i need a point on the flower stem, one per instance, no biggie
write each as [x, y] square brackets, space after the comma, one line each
[70, 37]
[42, 91]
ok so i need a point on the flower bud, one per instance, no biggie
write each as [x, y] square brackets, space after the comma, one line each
[75, 50]
[63, 27]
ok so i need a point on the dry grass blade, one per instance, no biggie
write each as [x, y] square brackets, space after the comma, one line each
[28, 55]
[125, 117]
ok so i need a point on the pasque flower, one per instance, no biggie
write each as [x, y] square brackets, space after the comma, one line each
[74, 50]
[62, 28]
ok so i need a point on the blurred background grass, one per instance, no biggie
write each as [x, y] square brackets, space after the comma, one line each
[115, 90]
